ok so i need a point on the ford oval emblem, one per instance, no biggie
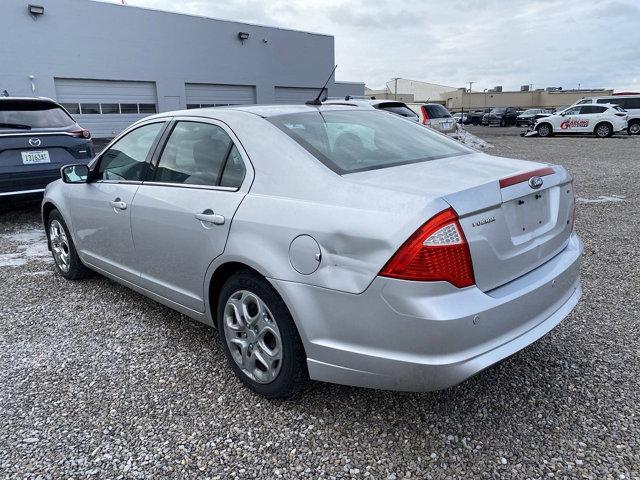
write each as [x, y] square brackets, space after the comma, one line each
[34, 142]
[535, 182]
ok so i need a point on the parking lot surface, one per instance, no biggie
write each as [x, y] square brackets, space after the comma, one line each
[97, 381]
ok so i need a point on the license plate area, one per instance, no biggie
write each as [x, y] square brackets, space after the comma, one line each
[33, 157]
[530, 216]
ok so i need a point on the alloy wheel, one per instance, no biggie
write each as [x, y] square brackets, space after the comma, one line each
[634, 128]
[603, 131]
[252, 336]
[60, 245]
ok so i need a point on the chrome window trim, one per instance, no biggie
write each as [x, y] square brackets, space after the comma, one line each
[197, 187]
[130, 182]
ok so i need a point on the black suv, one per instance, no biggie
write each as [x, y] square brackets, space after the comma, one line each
[475, 117]
[503, 116]
[37, 137]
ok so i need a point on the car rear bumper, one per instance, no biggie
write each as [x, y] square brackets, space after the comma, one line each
[19, 183]
[419, 336]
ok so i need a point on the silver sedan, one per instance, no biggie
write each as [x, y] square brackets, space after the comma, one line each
[329, 243]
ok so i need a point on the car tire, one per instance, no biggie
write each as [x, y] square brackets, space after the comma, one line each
[65, 256]
[544, 130]
[633, 128]
[603, 130]
[259, 337]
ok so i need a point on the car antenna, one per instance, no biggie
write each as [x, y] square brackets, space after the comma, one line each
[316, 101]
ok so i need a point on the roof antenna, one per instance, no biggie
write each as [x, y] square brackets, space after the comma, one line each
[316, 101]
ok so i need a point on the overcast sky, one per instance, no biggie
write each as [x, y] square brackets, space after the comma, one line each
[451, 42]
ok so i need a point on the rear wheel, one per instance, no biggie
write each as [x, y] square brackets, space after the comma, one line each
[65, 256]
[634, 128]
[544, 130]
[603, 130]
[259, 337]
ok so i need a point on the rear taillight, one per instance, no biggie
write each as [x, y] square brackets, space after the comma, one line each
[425, 115]
[437, 251]
[80, 133]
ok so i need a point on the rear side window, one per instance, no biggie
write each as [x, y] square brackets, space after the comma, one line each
[197, 154]
[399, 109]
[125, 159]
[590, 109]
[25, 115]
[437, 111]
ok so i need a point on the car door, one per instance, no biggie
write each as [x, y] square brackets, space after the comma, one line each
[570, 120]
[589, 117]
[100, 209]
[182, 213]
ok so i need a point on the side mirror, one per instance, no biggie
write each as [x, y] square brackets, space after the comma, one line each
[74, 173]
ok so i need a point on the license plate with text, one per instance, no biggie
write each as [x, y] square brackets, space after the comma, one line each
[35, 156]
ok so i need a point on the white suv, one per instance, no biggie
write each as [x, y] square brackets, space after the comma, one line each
[600, 120]
[399, 108]
[630, 103]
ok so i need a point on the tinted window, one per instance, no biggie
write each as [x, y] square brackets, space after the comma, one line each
[90, 108]
[590, 109]
[437, 111]
[110, 107]
[72, 108]
[27, 115]
[125, 160]
[354, 141]
[633, 103]
[195, 154]
[399, 109]
[147, 107]
[234, 170]
[586, 100]
[129, 107]
[605, 100]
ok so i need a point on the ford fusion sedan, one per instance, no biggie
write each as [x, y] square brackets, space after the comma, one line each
[331, 243]
[37, 137]
[599, 120]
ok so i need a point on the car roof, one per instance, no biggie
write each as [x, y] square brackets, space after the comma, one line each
[27, 99]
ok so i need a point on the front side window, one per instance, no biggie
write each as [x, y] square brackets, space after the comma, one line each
[25, 115]
[200, 154]
[572, 111]
[125, 159]
[354, 141]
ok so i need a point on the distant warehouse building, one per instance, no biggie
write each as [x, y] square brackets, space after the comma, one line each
[111, 64]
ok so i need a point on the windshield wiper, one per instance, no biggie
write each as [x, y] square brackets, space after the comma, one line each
[15, 125]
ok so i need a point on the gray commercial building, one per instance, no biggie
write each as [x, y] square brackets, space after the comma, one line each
[112, 64]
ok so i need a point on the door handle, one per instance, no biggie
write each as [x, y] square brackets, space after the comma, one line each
[119, 204]
[209, 217]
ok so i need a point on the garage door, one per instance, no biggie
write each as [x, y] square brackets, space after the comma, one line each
[296, 94]
[201, 95]
[106, 107]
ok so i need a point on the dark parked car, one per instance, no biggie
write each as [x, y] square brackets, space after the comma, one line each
[503, 116]
[529, 116]
[37, 137]
[475, 117]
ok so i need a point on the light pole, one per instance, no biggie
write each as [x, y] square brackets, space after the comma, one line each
[470, 85]
[395, 89]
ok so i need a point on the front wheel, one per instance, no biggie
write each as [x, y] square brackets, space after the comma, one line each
[603, 130]
[544, 130]
[65, 256]
[259, 337]
[634, 128]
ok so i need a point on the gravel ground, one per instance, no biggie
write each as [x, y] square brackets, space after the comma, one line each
[97, 381]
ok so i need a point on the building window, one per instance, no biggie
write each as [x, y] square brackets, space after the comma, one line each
[191, 106]
[72, 108]
[110, 108]
[147, 107]
[90, 108]
[129, 108]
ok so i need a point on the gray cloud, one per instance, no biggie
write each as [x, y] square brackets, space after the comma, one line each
[491, 42]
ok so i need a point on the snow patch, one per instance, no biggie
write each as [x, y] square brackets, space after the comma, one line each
[27, 245]
[602, 199]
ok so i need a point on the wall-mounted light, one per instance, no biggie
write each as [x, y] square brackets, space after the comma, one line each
[243, 36]
[35, 10]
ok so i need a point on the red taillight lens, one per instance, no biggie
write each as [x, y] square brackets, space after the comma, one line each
[425, 114]
[80, 133]
[437, 251]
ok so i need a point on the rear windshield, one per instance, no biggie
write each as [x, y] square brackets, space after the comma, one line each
[356, 141]
[25, 115]
[399, 109]
[437, 111]
[498, 110]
